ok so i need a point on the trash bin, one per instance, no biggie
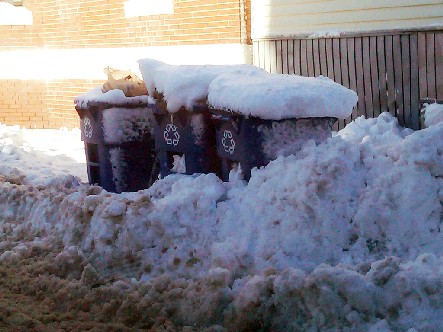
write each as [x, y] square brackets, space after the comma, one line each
[119, 144]
[253, 142]
[189, 134]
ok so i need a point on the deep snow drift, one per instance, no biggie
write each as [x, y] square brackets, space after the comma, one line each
[344, 235]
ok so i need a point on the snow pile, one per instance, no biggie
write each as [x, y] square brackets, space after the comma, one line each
[276, 97]
[433, 114]
[288, 137]
[114, 97]
[350, 240]
[184, 85]
[247, 90]
[40, 154]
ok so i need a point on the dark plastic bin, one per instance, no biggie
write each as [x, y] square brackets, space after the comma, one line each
[125, 166]
[189, 134]
[241, 140]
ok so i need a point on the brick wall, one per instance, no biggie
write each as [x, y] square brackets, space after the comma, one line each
[92, 24]
[102, 23]
[40, 104]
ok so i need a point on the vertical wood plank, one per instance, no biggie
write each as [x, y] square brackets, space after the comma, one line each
[337, 64]
[279, 57]
[303, 58]
[374, 76]
[352, 71]
[415, 87]
[329, 58]
[290, 56]
[273, 56]
[430, 65]
[323, 63]
[344, 68]
[381, 59]
[344, 64]
[406, 69]
[256, 54]
[284, 52]
[422, 73]
[398, 75]
[316, 56]
[297, 57]
[262, 54]
[310, 57]
[367, 77]
[439, 64]
[267, 56]
[390, 75]
[359, 75]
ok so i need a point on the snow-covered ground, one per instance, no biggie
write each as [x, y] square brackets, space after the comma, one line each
[345, 235]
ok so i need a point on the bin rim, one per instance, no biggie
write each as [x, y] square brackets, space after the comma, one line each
[233, 114]
[107, 105]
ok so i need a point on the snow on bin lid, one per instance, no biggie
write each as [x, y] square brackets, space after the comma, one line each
[276, 96]
[184, 85]
[96, 97]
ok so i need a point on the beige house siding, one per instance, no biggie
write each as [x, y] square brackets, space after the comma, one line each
[285, 18]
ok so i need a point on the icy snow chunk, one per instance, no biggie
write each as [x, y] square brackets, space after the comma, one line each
[433, 114]
[276, 97]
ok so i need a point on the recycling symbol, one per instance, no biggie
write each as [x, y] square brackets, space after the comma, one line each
[87, 128]
[171, 135]
[228, 142]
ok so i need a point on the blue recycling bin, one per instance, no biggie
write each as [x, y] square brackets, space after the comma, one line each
[124, 160]
[189, 134]
[242, 140]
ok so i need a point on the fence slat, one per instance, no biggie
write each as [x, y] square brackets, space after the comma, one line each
[297, 58]
[390, 77]
[262, 54]
[284, 55]
[406, 67]
[374, 77]
[337, 64]
[290, 56]
[381, 59]
[310, 57]
[415, 87]
[303, 58]
[278, 59]
[352, 73]
[256, 52]
[273, 56]
[396, 55]
[323, 63]
[422, 72]
[439, 64]
[360, 77]
[367, 77]
[344, 62]
[329, 59]
[316, 56]
[430, 65]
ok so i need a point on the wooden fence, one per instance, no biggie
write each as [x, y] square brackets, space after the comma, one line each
[391, 72]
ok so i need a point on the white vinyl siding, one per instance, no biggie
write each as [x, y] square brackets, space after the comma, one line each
[280, 18]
